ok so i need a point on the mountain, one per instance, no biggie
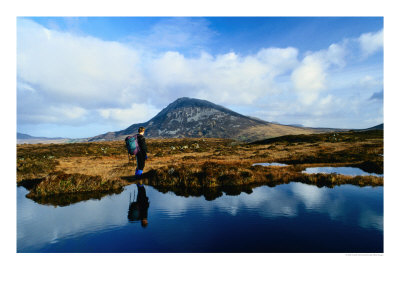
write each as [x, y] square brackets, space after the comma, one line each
[377, 127]
[23, 138]
[189, 117]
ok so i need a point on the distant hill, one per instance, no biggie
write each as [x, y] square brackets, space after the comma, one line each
[337, 136]
[23, 138]
[377, 127]
[189, 117]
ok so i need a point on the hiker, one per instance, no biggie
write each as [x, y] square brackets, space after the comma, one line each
[141, 156]
[138, 209]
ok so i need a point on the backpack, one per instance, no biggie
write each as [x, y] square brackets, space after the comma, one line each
[132, 144]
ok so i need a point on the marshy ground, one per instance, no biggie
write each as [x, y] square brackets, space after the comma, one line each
[199, 166]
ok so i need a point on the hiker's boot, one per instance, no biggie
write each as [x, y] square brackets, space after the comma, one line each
[138, 174]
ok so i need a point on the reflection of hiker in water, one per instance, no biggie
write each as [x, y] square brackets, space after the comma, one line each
[141, 156]
[138, 210]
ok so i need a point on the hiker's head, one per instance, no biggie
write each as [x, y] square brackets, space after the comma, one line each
[141, 130]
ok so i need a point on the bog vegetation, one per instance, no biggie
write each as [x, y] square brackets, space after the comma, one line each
[199, 166]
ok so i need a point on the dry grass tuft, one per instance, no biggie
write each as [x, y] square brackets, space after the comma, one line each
[61, 183]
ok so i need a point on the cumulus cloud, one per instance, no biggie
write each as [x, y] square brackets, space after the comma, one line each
[309, 78]
[136, 113]
[83, 70]
[371, 42]
[226, 79]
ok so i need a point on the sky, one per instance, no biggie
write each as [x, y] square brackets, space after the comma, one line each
[83, 76]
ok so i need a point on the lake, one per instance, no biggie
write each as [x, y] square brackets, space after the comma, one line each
[288, 218]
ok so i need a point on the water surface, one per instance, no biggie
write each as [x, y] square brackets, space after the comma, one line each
[340, 170]
[292, 217]
[270, 164]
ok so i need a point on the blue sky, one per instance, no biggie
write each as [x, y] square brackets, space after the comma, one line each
[79, 77]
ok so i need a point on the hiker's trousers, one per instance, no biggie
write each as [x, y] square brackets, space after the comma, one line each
[140, 161]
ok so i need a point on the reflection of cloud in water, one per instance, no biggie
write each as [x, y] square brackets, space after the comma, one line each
[323, 200]
[311, 195]
[370, 219]
[266, 201]
[175, 206]
[339, 170]
[76, 219]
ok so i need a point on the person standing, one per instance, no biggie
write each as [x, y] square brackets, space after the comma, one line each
[141, 156]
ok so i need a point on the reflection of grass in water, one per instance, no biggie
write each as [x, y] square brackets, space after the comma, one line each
[212, 175]
[71, 198]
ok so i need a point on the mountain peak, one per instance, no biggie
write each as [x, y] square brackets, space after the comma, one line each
[191, 117]
[186, 101]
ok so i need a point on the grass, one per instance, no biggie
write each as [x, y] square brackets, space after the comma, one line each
[199, 165]
[62, 183]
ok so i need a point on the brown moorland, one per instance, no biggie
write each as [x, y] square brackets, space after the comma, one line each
[194, 166]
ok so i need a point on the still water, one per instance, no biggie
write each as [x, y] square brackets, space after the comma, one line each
[286, 218]
[270, 164]
[340, 170]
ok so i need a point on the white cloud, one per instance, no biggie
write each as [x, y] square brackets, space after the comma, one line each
[226, 79]
[136, 113]
[73, 115]
[371, 42]
[310, 77]
[335, 54]
[80, 69]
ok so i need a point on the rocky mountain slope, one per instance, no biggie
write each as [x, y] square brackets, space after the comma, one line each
[188, 117]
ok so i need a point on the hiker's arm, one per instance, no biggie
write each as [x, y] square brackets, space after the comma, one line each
[142, 145]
